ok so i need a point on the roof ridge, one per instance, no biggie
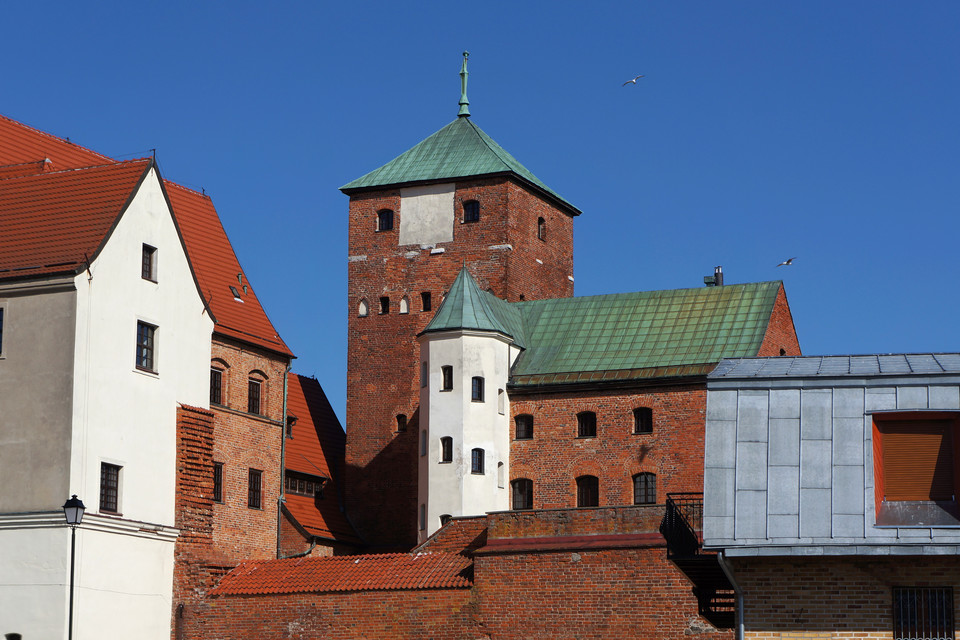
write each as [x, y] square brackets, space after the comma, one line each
[114, 163]
[495, 148]
[202, 194]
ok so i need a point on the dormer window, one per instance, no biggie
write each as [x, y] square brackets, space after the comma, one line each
[471, 211]
[385, 220]
[148, 263]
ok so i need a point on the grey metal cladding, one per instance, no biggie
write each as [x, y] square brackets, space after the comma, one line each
[912, 398]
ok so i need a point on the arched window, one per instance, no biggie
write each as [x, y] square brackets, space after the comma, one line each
[522, 490]
[586, 424]
[588, 491]
[471, 211]
[384, 220]
[476, 389]
[404, 305]
[643, 420]
[476, 461]
[363, 309]
[446, 449]
[541, 229]
[645, 488]
[401, 422]
[524, 424]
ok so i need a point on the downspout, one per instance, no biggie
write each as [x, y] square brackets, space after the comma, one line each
[728, 571]
[283, 452]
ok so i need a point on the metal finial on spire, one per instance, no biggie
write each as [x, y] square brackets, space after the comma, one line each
[464, 103]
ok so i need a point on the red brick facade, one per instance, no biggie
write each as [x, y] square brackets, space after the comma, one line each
[798, 597]
[244, 441]
[555, 456]
[502, 252]
[781, 336]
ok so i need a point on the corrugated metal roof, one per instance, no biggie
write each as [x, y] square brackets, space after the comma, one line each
[459, 150]
[891, 364]
[349, 573]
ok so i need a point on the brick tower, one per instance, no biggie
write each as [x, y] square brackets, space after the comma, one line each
[456, 199]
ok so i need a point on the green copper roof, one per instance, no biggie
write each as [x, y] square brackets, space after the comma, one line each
[466, 306]
[459, 150]
[675, 329]
[677, 332]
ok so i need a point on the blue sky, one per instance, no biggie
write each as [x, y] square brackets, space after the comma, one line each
[762, 130]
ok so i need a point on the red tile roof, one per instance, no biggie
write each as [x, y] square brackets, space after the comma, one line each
[316, 447]
[20, 143]
[461, 534]
[27, 151]
[55, 222]
[349, 573]
[217, 267]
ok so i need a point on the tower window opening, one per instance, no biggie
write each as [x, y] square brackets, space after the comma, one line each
[385, 220]
[471, 211]
[476, 461]
[384, 305]
[541, 229]
[643, 420]
[586, 424]
[447, 372]
[476, 391]
[588, 491]
[524, 424]
[425, 301]
[446, 449]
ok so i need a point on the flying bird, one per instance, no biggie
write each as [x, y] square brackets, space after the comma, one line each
[634, 81]
[787, 262]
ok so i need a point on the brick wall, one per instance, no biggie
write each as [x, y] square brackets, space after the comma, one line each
[383, 355]
[833, 597]
[295, 541]
[243, 441]
[781, 334]
[555, 457]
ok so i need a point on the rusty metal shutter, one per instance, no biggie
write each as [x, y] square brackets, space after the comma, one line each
[917, 459]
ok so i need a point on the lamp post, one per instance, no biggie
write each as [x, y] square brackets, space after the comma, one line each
[73, 511]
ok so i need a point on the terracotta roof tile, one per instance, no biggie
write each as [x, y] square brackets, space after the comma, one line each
[20, 144]
[349, 573]
[53, 222]
[216, 266]
[460, 534]
[317, 448]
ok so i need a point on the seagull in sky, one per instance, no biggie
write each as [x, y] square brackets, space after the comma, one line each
[634, 81]
[787, 262]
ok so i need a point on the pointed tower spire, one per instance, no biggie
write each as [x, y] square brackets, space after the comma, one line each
[464, 103]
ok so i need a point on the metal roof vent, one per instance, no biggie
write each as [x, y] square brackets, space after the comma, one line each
[716, 280]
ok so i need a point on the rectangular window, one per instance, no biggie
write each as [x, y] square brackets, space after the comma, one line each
[524, 424]
[425, 300]
[424, 375]
[476, 461]
[384, 305]
[446, 449]
[522, 493]
[1, 330]
[471, 211]
[216, 386]
[423, 443]
[423, 517]
[253, 396]
[401, 422]
[218, 482]
[476, 391]
[643, 420]
[109, 487]
[303, 484]
[923, 613]
[586, 424]
[146, 346]
[447, 372]
[588, 491]
[253, 488]
[148, 263]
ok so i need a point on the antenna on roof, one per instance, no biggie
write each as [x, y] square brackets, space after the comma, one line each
[153, 153]
[464, 103]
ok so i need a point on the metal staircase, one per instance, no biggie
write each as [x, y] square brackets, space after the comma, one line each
[682, 528]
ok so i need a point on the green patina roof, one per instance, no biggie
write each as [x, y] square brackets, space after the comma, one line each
[466, 306]
[459, 150]
[622, 336]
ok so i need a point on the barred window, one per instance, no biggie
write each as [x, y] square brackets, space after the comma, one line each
[522, 493]
[643, 420]
[524, 424]
[218, 482]
[645, 488]
[109, 487]
[476, 461]
[586, 424]
[588, 491]
[923, 613]
[471, 211]
[253, 488]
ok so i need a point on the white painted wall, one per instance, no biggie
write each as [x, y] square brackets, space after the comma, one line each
[451, 488]
[427, 214]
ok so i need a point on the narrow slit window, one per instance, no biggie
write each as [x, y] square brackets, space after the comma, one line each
[148, 263]
[423, 442]
[447, 372]
[216, 386]
[541, 229]
[384, 305]
[501, 401]
[500, 473]
[425, 302]
[254, 496]
[218, 482]
[446, 449]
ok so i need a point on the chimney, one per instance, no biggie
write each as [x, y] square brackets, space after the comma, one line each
[716, 280]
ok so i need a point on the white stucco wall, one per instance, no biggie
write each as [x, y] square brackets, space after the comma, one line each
[451, 488]
[427, 214]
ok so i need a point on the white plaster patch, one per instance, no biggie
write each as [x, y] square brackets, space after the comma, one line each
[426, 214]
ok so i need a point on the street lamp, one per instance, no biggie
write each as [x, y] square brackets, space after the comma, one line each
[73, 511]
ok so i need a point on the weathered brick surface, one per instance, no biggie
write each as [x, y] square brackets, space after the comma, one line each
[382, 362]
[833, 597]
[781, 334]
[243, 441]
[555, 456]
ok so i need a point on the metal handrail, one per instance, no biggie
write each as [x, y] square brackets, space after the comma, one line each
[682, 524]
